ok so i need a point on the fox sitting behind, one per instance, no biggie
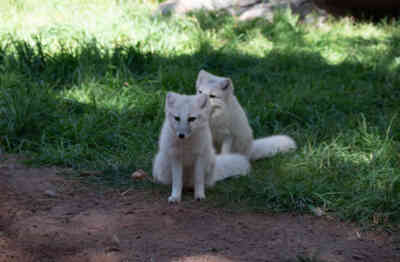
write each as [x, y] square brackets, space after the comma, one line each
[229, 125]
[186, 155]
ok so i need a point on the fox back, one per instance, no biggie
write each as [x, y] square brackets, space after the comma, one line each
[228, 119]
[229, 124]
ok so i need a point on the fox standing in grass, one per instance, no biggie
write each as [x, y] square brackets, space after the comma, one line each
[229, 125]
[186, 155]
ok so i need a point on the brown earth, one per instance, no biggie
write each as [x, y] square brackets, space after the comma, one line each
[45, 217]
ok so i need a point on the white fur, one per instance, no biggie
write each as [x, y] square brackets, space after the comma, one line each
[229, 125]
[190, 160]
[229, 165]
[270, 146]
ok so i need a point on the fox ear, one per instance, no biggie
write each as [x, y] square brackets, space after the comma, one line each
[170, 99]
[226, 84]
[201, 76]
[202, 100]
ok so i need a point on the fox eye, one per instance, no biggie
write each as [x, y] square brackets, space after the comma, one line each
[177, 118]
[200, 91]
[191, 119]
[212, 96]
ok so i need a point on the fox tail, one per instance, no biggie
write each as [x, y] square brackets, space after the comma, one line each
[229, 165]
[272, 145]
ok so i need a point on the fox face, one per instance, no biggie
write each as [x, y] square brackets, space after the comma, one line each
[218, 89]
[186, 114]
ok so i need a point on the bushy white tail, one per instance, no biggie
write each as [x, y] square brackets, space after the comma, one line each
[272, 145]
[229, 165]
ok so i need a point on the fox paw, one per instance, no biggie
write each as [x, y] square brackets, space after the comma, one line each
[174, 199]
[199, 197]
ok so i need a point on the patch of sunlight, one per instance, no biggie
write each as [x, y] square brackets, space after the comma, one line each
[256, 46]
[333, 56]
[365, 30]
[203, 258]
[87, 16]
[109, 23]
[395, 65]
[94, 94]
[163, 36]
[336, 41]
[31, 22]
[356, 158]
[353, 154]
[80, 95]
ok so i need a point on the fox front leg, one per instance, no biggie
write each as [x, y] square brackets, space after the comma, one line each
[176, 194]
[199, 180]
[227, 145]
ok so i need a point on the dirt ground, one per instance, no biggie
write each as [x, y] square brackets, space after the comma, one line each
[45, 217]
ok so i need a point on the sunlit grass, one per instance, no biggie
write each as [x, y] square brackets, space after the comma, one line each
[83, 84]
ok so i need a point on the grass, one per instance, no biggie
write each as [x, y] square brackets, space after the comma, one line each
[83, 84]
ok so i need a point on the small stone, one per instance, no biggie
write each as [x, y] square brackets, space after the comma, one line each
[50, 193]
[139, 174]
[317, 211]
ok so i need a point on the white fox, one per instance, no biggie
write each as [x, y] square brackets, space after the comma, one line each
[229, 125]
[186, 156]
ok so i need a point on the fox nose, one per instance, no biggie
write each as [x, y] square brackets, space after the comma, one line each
[181, 136]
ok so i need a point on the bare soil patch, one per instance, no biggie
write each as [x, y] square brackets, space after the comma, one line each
[46, 217]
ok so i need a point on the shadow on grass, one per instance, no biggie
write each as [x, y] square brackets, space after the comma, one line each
[286, 89]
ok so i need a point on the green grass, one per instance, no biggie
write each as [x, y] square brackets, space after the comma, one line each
[83, 84]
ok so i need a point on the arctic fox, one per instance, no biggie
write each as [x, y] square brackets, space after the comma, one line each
[186, 155]
[229, 125]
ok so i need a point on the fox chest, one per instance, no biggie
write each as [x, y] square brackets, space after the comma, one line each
[220, 127]
[187, 153]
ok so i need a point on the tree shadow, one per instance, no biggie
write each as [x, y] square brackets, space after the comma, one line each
[91, 61]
